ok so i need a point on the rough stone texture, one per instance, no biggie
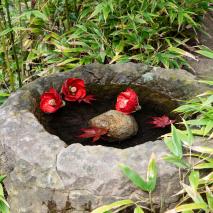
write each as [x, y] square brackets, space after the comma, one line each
[207, 37]
[119, 125]
[203, 68]
[43, 175]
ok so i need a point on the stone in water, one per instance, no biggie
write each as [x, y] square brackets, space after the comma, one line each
[120, 126]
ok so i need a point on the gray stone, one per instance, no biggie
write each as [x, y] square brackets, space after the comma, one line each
[44, 175]
[206, 36]
[203, 67]
[119, 125]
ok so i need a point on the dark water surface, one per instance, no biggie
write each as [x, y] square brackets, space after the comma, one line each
[67, 122]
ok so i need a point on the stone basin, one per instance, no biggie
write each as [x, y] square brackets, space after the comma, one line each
[47, 172]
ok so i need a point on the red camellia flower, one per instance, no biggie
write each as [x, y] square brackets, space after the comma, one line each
[74, 89]
[127, 101]
[93, 132]
[50, 101]
[161, 122]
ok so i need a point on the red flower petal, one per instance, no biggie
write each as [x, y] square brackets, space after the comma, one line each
[77, 85]
[127, 101]
[161, 122]
[93, 132]
[50, 101]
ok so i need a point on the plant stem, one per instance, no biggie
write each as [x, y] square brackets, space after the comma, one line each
[150, 201]
[67, 14]
[5, 55]
[75, 6]
[13, 44]
[2, 13]
[7, 62]
[25, 1]
[21, 39]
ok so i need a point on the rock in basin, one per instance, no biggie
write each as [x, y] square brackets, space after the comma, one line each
[44, 175]
[119, 125]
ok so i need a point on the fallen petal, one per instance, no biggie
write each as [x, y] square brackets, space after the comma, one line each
[94, 133]
[161, 122]
[88, 99]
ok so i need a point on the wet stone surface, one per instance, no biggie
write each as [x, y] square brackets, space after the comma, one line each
[55, 173]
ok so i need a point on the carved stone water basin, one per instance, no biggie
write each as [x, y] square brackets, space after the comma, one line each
[49, 169]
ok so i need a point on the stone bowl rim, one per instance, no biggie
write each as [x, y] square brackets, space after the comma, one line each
[37, 86]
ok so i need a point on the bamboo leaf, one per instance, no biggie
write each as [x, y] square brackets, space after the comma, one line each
[205, 52]
[182, 52]
[138, 209]
[190, 138]
[180, 163]
[134, 177]
[196, 197]
[174, 143]
[6, 31]
[208, 179]
[206, 82]
[202, 149]
[114, 205]
[2, 199]
[204, 166]
[152, 173]
[194, 179]
[209, 197]
[190, 206]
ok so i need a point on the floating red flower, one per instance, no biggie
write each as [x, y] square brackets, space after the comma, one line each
[74, 89]
[127, 102]
[50, 101]
[161, 122]
[93, 132]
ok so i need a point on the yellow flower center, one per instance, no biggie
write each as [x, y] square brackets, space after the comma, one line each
[72, 89]
[52, 102]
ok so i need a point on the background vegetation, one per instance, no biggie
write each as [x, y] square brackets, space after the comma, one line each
[39, 37]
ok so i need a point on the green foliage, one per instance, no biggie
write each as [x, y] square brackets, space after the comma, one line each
[114, 205]
[146, 185]
[198, 195]
[138, 209]
[3, 97]
[174, 143]
[4, 206]
[205, 51]
[57, 35]
[202, 201]
[201, 107]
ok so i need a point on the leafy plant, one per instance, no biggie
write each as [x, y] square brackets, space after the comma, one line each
[205, 51]
[3, 97]
[4, 206]
[175, 142]
[198, 195]
[201, 108]
[201, 196]
[41, 37]
[147, 185]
